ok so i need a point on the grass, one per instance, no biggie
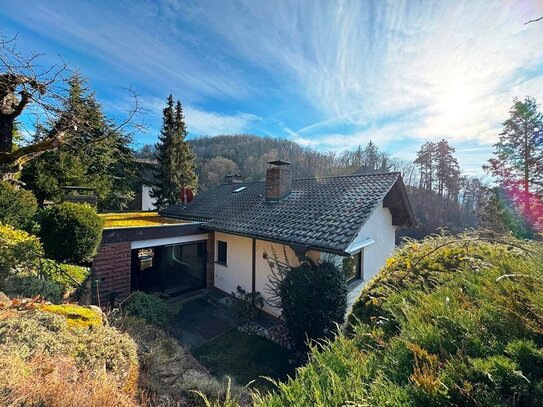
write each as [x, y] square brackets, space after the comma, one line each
[245, 357]
[135, 219]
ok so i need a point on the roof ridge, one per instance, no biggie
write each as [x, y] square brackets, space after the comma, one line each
[321, 177]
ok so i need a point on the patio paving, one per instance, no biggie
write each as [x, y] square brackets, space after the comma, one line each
[202, 318]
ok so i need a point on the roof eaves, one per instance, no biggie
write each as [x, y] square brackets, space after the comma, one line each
[381, 198]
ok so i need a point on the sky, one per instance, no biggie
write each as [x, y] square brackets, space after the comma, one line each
[327, 74]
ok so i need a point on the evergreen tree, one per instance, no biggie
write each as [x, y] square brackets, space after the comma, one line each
[518, 162]
[176, 167]
[98, 155]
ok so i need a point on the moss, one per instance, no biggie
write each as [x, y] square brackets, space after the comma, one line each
[135, 219]
[75, 315]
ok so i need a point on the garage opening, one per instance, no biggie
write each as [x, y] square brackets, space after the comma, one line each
[171, 269]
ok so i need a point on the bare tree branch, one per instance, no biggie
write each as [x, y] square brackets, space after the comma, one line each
[534, 21]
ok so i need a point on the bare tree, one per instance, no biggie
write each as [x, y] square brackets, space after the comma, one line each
[38, 94]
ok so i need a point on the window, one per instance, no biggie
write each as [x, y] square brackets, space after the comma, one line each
[221, 252]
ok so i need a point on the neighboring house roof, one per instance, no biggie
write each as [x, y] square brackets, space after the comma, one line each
[320, 213]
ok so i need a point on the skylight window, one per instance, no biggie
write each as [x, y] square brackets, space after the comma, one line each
[239, 189]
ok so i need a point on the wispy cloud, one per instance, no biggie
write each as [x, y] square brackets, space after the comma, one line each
[203, 122]
[327, 74]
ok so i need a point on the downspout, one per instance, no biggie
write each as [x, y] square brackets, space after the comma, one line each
[254, 267]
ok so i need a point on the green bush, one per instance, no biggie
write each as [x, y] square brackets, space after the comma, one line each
[149, 307]
[29, 285]
[70, 232]
[19, 251]
[17, 206]
[312, 297]
[68, 276]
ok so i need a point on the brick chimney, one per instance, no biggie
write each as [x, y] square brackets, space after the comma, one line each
[278, 180]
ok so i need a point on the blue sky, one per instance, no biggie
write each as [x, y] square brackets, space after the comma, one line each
[327, 74]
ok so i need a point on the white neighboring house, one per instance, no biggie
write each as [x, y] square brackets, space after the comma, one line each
[224, 237]
[143, 200]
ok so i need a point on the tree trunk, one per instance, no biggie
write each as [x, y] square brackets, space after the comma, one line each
[6, 133]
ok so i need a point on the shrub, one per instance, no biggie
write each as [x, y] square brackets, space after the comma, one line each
[29, 285]
[312, 297]
[56, 382]
[245, 305]
[149, 307]
[101, 350]
[68, 276]
[70, 232]
[17, 206]
[19, 251]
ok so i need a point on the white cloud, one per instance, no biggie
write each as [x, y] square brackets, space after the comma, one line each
[202, 122]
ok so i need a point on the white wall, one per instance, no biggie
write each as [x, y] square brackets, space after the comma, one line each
[238, 270]
[378, 228]
[147, 203]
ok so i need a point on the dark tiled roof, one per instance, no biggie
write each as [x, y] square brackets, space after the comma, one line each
[321, 213]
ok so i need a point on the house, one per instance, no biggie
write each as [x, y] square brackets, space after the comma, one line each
[146, 178]
[225, 237]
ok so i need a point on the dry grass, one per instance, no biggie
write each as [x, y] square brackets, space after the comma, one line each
[55, 382]
[135, 219]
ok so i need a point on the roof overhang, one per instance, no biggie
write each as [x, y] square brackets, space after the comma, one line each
[397, 201]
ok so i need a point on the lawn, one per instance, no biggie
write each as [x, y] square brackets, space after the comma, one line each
[245, 357]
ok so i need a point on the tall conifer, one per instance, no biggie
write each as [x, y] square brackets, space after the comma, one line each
[176, 168]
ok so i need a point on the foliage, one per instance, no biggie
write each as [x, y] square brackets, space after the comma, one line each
[68, 276]
[17, 206]
[19, 251]
[449, 321]
[245, 305]
[148, 307]
[98, 155]
[214, 170]
[517, 163]
[176, 167]
[102, 350]
[312, 298]
[70, 232]
[75, 315]
[28, 285]
[499, 214]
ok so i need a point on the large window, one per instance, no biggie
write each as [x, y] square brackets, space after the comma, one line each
[169, 269]
[222, 254]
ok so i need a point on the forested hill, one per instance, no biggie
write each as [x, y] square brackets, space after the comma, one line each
[247, 155]
[439, 194]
